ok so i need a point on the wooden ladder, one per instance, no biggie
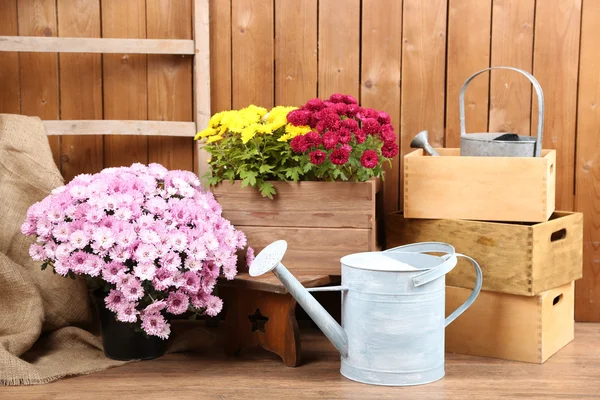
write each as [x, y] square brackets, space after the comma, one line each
[198, 47]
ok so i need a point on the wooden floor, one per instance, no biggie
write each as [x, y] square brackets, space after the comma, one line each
[573, 373]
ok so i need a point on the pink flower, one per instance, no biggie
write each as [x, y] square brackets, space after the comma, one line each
[360, 136]
[337, 98]
[155, 325]
[347, 148]
[155, 307]
[317, 157]
[113, 272]
[387, 133]
[36, 252]
[133, 290]
[149, 236]
[344, 135]
[78, 262]
[384, 118]
[299, 117]
[120, 254]
[128, 313]
[350, 124]
[178, 241]
[365, 113]
[94, 265]
[95, 215]
[61, 232]
[145, 253]
[104, 237]
[214, 305]
[369, 159]
[192, 264]
[249, 256]
[314, 105]
[191, 282]
[389, 150]
[115, 300]
[171, 261]
[370, 126]
[145, 271]
[298, 144]
[177, 303]
[349, 99]
[312, 139]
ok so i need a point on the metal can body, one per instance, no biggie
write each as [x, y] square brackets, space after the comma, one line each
[484, 145]
[395, 329]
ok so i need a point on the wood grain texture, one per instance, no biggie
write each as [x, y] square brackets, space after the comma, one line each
[498, 325]
[220, 60]
[80, 87]
[481, 188]
[10, 84]
[295, 51]
[512, 45]
[380, 81]
[270, 283]
[39, 72]
[125, 81]
[469, 26]
[555, 65]
[252, 53]
[96, 45]
[201, 80]
[569, 374]
[170, 74]
[423, 73]
[339, 47]
[120, 127]
[587, 172]
[515, 258]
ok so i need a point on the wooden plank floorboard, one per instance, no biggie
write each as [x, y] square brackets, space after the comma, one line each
[570, 374]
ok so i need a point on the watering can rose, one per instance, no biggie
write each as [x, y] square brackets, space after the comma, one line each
[329, 140]
[150, 239]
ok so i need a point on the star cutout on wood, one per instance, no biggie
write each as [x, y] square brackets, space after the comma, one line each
[258, 321]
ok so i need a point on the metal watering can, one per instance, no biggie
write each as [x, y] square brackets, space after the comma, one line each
[501, 144]
[393, 307]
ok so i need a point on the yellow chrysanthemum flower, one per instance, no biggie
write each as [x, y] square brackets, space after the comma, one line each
[248, 133]
[214, 138]
[205, 133]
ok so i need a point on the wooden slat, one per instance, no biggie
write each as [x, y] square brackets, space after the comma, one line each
[380, 82]
[339, 47]
[201, 80]
[587, 172]
[469, 25]
[10, 88]
[295, 51]
[555, 65]
[300, 218]
[95, 45]
[423, 72]
[220, 59]
[512, 45]
[39, 72]
[270, 283]
[125, 81]
[170, 74]
[80, 87]
[252, 53]
[116, 127]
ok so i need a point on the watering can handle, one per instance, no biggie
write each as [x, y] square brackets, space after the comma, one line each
[430, 247]
[540, 96]
[474, 293]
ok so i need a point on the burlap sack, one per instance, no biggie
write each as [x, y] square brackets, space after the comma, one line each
[45, 319]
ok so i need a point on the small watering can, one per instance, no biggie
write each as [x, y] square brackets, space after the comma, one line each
[393, 307]
[501, 144]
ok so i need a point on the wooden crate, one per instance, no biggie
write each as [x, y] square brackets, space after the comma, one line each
[479, 188]
[510, 327]
[525, 259]
[321, 221]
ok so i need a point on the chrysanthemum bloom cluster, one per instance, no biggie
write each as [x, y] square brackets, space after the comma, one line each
[345, 140]
[152, 239]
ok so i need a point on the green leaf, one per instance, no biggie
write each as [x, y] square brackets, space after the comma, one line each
[229, 174]
[293, 173]
[266, 189]
[307, 167]
[248, 178]
[44, 266]
[265, 168]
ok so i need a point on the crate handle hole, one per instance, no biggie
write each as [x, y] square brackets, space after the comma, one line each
[557, 299]
[551, 168]
[558, 235]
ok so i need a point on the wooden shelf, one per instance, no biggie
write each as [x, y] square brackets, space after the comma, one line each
[120, 127]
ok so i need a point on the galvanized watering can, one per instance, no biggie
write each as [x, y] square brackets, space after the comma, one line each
[393, 307]
[501, 144]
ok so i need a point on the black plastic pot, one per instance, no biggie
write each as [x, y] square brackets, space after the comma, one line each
[121, 341]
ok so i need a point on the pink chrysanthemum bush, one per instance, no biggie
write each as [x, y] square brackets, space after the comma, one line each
[151, 240]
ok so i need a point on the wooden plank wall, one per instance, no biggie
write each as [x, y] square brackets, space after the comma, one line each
[407, 57]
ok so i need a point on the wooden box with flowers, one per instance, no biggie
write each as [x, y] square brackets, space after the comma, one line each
[310, 175]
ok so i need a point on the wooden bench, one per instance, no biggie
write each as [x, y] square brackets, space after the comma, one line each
[261, 312]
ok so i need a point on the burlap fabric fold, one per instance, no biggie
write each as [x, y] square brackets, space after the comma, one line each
[48, 329]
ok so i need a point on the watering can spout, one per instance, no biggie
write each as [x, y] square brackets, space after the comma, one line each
[269, 259]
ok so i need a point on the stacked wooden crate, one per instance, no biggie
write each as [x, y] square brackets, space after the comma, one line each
[500, 211]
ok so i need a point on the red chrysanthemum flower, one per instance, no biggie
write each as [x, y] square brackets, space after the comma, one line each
[314, 105]
[384, 118]
[339, 156]
[298, 144]
[365, 113]
[330, 140]
[337, 98]
[389, 150]
[340, 108]
[312, 139]
[317, 157]
[299, 117]
[360, 136]
[353, 109]
[387, 133]
[350, 124]
[346, 147]
[349, 99]
[371, 126]
[329, 120]
[344, 135]
[369, 159]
